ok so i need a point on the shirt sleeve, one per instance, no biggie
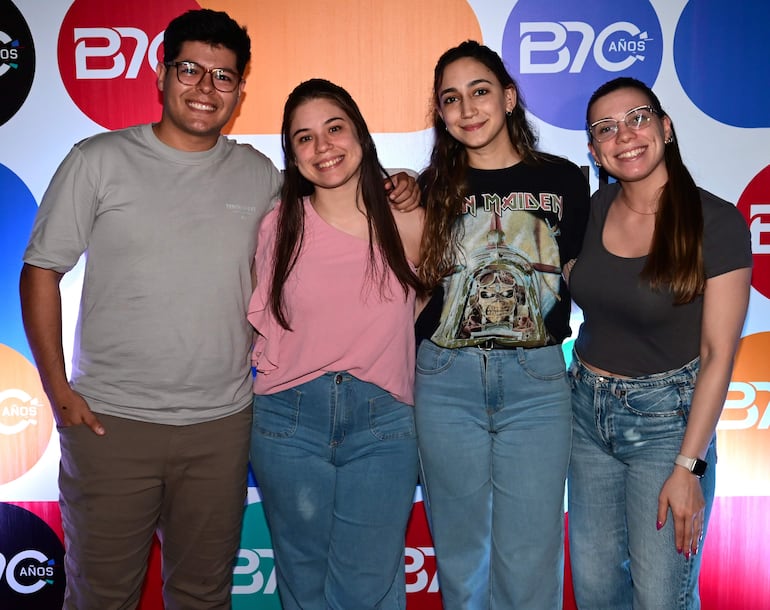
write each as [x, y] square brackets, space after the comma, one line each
[726, 237]
[66, 216]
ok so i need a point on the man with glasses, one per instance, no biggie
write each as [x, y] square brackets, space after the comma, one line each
[154, 424]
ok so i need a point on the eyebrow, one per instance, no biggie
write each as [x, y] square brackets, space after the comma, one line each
[473, 83]
[326, 122]
[197, 63]
[625, 114]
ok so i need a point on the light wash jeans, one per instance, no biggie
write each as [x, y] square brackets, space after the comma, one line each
[626, 435]
[494, 435]
[336, 462]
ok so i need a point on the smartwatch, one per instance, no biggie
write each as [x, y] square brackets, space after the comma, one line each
[694, 465]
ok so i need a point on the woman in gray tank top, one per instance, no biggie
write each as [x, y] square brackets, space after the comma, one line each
[663, 280]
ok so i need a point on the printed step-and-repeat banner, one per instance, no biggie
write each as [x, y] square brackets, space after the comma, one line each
[71, 69]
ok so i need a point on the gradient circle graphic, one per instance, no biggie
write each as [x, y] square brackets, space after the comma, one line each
[31, 562]
[560, 52]
[731, 39]
[254, 572]
[17, 213]
[26, 422]
[754, 203]
[108, 51]
[17, 60]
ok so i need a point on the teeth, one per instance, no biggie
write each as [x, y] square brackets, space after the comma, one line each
[630, 154]
[329, 163]
[200, 106]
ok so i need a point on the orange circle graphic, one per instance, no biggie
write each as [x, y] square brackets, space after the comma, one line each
[383, 53]
[26, 421]
[744, 428]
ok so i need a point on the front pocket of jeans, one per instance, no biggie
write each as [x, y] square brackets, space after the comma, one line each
[661, 401]
[276, 415]
[432, 359]
[543, 363]
[390, 419]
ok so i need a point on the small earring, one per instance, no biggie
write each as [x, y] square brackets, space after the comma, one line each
[508, 113]
[669, 140]
[597, 163]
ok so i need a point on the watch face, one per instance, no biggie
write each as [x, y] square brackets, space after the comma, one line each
[699, 468]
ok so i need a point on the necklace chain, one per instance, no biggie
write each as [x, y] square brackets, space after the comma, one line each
[628, 205]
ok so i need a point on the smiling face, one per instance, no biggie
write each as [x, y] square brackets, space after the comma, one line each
[325, 144]
[473, 105]
[194, 115]
[631, 155]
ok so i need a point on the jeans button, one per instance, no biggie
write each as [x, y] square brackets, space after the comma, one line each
[338, 379]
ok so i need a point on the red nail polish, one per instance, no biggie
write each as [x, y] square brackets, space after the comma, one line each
[687, 555]
[658, 525]
[679, 550]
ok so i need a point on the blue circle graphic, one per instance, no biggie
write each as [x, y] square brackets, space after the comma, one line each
[560, 52]
[730, 40]
[17, 213]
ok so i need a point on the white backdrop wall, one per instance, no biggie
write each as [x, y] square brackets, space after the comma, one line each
[71, 69]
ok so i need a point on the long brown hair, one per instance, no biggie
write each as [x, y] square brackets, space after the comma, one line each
[444, 180]
[291, 214]
[675, 260]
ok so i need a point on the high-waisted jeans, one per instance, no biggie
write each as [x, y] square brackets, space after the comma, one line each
[626, 435]
[494, 435]
[336, 461]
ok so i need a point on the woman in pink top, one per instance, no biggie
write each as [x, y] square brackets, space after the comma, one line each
[333, 442]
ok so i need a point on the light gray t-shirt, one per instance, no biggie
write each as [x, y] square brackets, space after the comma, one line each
[169, 238]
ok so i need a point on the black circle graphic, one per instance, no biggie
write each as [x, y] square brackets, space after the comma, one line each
[31, 561]
[17, 60]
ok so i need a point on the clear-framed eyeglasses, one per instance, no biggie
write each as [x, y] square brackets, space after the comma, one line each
[191, 74]
[636, 119]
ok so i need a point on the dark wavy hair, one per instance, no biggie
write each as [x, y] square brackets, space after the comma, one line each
[215, 28]
[444, 180]
[291, 214]
[675, 260]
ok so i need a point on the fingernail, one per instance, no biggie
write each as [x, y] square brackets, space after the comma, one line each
[679, 550]
[687, 554]
[658, 525]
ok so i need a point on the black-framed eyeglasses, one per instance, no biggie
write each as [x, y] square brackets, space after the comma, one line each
[636, 119]
[191, 74]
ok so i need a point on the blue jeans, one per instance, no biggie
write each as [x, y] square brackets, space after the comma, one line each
[494, 435]
[626, 435]
[336, 462]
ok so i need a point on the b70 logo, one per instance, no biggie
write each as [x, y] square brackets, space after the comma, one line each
[759, 224]
[100, 44]
[755, 412]
[544, 47]
[421, 574]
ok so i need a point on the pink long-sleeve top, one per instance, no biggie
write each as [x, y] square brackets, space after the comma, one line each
[343, 318]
